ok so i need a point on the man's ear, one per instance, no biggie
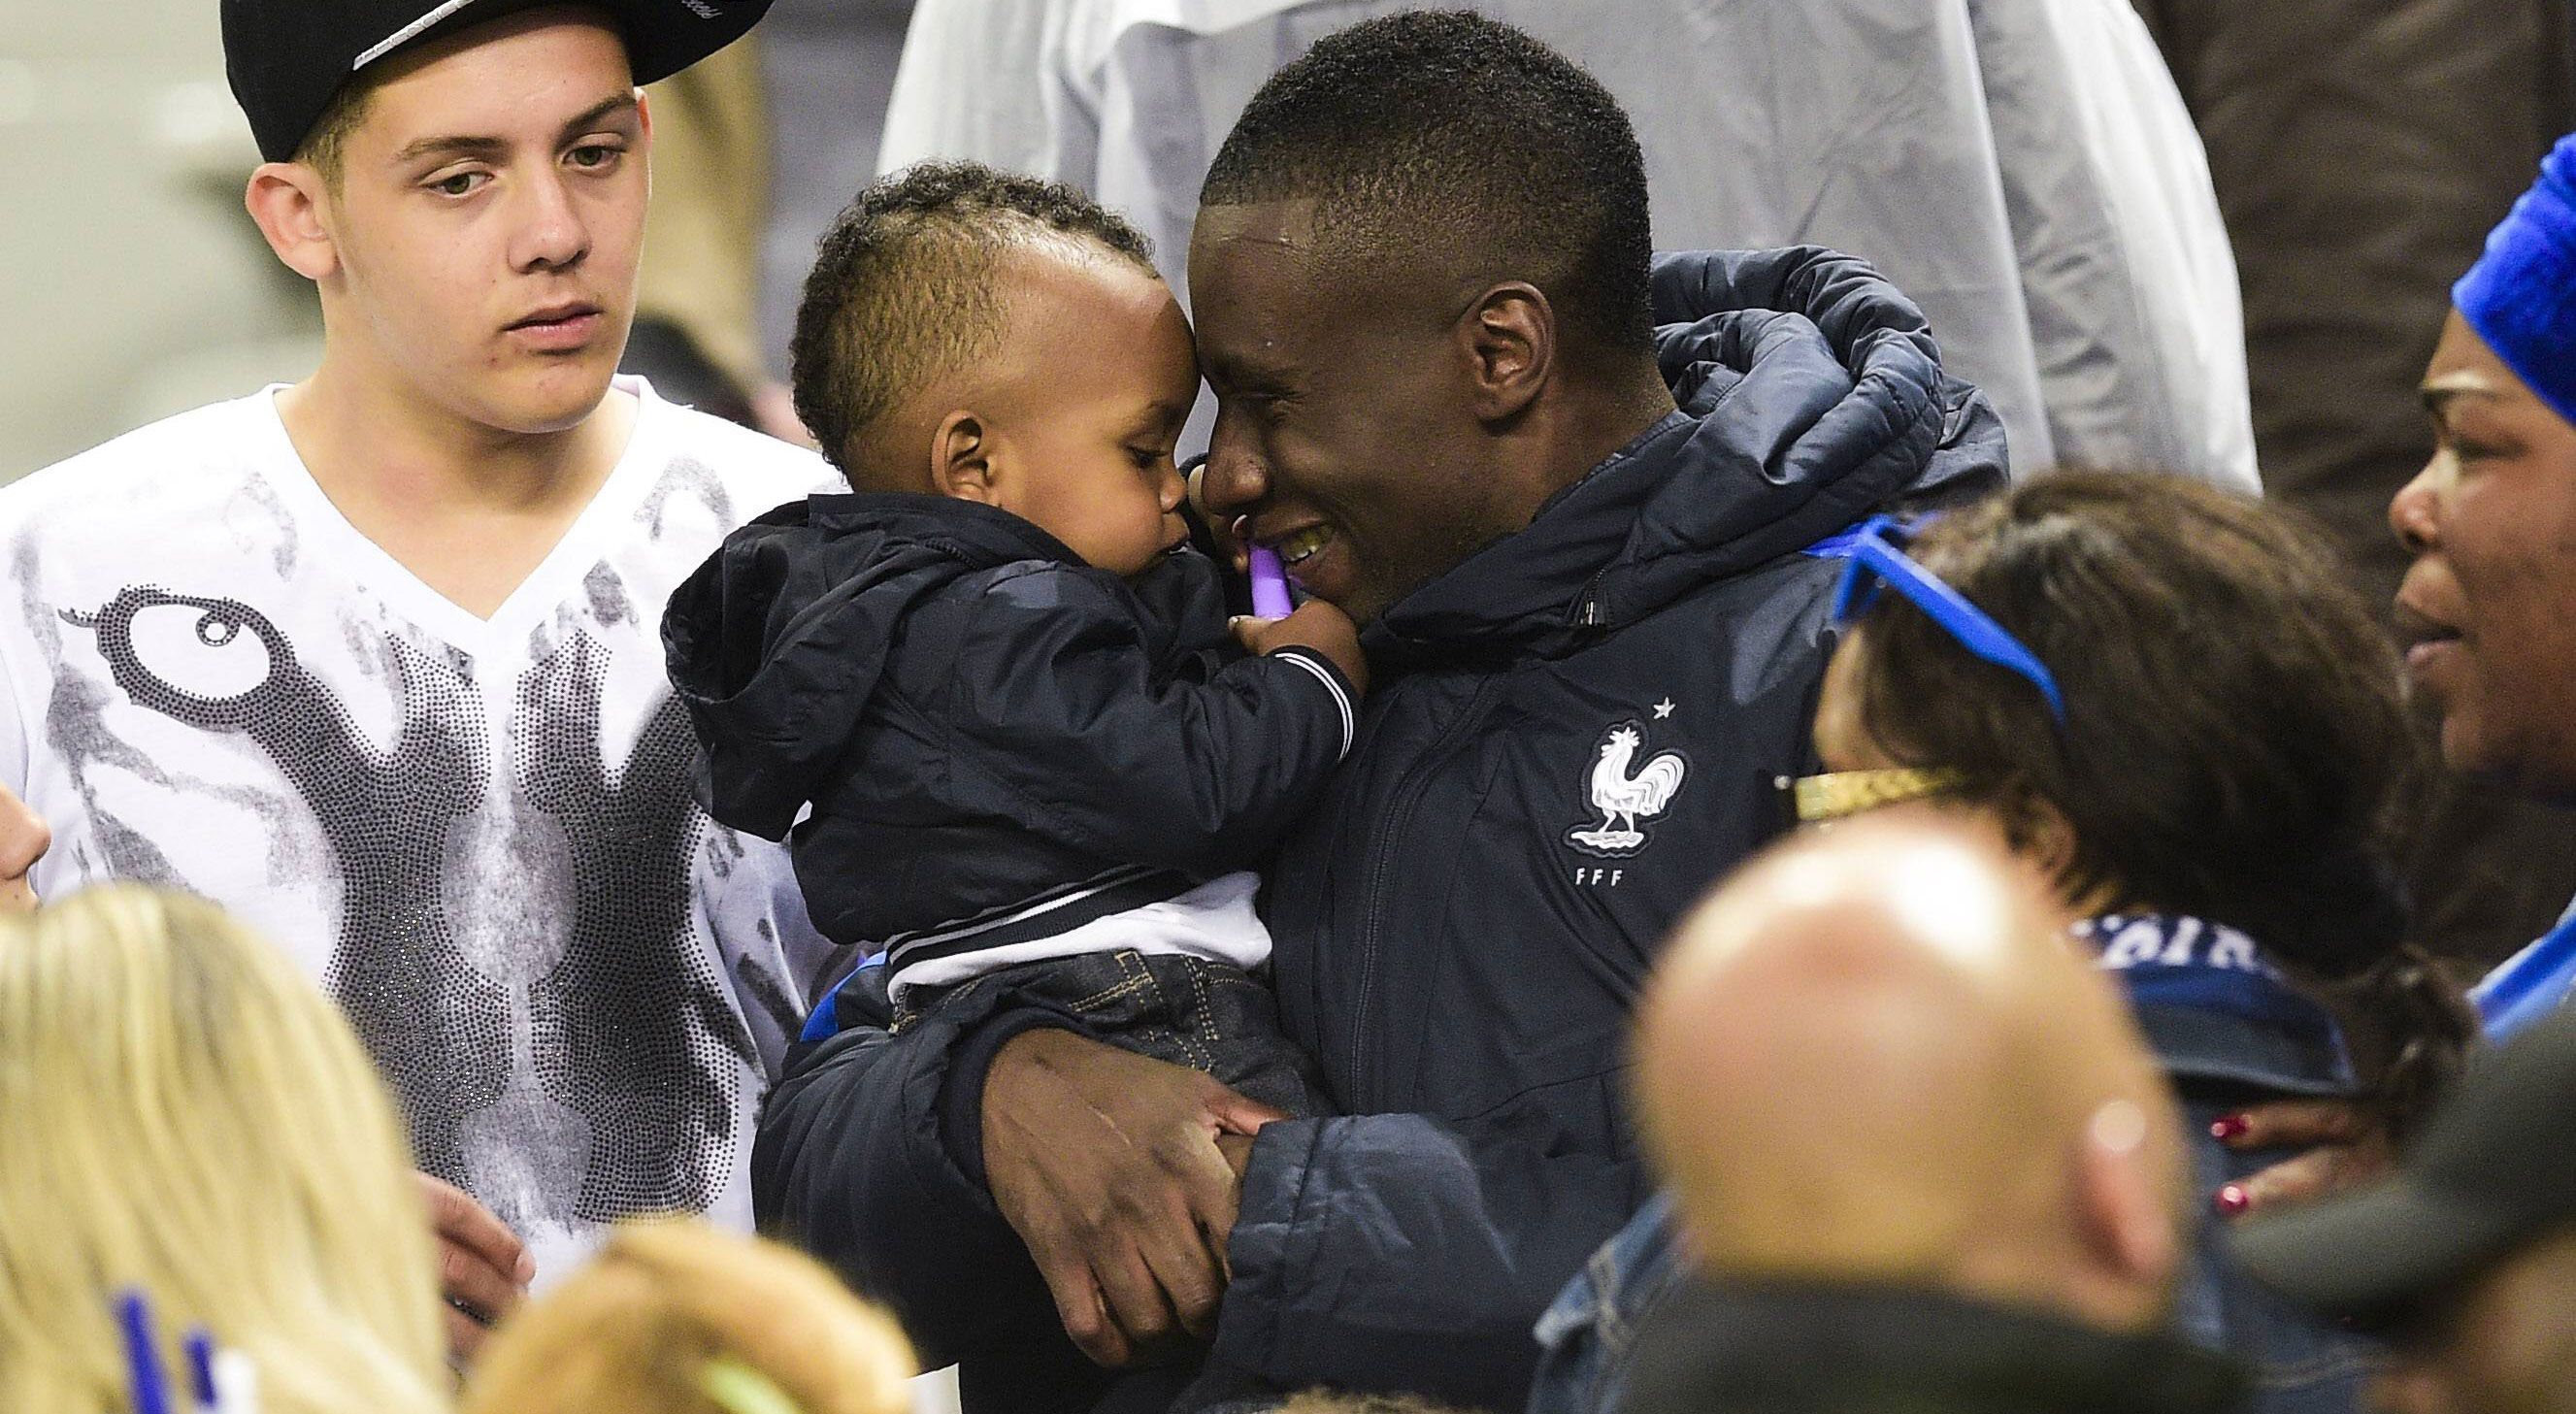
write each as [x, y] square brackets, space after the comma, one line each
[288, 200]
[1509, 339]
[2127, 1207]
[961, 459]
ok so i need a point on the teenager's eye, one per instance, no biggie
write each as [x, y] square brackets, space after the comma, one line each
[596, 156]
[460, 184]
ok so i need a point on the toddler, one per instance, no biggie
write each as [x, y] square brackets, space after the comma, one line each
[993, 692]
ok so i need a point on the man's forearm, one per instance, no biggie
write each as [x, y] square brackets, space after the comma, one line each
[1400, 1252]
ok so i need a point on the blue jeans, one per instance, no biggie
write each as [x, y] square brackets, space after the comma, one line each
[1208, 1016]
[1586, 1338]
[909, 1221]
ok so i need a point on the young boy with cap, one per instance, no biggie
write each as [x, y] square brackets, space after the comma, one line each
[369, 658]
[993, 693]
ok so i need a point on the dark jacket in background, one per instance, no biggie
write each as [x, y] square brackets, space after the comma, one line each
[1448, 945]
[1814, 1349]
[981, 721]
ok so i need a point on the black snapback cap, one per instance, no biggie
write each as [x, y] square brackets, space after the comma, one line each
[2494, 1171]
[288, 58]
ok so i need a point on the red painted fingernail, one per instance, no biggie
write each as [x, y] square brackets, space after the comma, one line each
[2231, 1200]
[2227, 1127]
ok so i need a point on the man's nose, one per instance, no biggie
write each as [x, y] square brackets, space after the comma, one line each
[2411, 513]
[550, 233]
[1233, 480]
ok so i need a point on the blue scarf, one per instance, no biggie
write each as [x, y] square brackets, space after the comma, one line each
[2214, 1008]
[2533, 983]
[2521, 295]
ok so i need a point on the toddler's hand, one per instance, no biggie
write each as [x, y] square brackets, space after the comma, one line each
[1316, 625]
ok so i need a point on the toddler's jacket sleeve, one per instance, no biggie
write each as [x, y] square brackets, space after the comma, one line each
[1058, 708]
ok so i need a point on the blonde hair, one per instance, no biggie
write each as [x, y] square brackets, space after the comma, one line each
[674, 1317]
[184, 1114]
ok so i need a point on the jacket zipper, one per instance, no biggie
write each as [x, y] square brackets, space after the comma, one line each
[1399, 815]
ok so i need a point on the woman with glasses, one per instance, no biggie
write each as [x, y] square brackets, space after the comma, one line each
[2165, 695]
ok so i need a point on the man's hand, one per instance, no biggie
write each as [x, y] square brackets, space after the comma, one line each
[1108, 1165]
[1237, 1149]
[483, 1267]
[23, 840]
[2342, 1146]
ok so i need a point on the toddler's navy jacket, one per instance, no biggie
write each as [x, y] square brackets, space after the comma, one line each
[997, 741]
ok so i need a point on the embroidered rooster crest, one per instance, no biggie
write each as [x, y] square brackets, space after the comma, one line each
[1626, 793]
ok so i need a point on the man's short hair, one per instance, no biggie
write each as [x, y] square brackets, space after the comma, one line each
[902, 291]
[325, 148]
[1432, 139]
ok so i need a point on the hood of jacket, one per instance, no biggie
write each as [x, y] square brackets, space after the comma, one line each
[1810, 395]
[777, 642]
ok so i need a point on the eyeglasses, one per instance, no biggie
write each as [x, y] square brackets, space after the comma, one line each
[1873, 560]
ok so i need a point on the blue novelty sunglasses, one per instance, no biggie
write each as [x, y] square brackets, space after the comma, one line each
[1873, 561]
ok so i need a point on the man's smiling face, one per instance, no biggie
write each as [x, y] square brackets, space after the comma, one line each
[1345, 437]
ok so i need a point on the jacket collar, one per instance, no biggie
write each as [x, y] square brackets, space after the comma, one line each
[1809, 395]
[1522, 591]
[1180, 602]
[980, 535]
[1793, 1346]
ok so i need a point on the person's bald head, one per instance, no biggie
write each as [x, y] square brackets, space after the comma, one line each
[1875, 1055]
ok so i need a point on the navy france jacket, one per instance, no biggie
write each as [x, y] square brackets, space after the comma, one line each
[982, 724]
[1573, 733]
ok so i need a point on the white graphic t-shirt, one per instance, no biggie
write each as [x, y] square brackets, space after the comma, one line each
[479, 836]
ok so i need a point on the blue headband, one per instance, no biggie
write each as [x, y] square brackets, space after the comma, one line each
[2521, 295]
